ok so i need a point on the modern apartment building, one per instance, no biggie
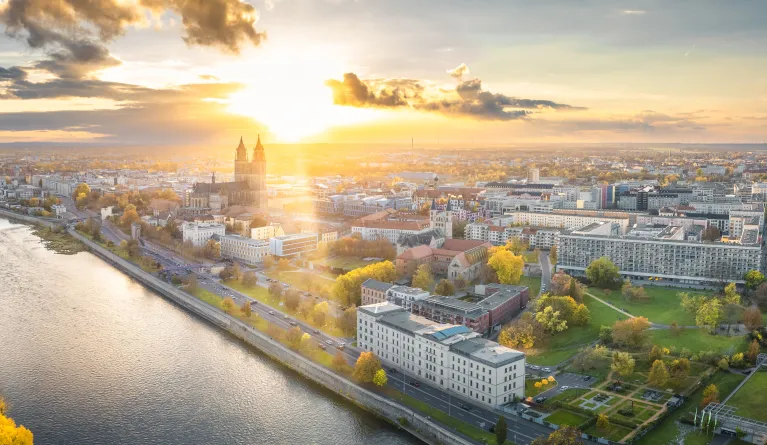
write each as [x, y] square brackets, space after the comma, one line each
[666, 253]
[198, 233]
[451, 357]
[247, 250]
[291, 245]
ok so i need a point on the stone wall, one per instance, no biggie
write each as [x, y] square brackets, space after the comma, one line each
[420, 426]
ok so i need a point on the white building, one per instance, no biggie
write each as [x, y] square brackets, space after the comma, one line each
[266, 232]
[451, 357]
[249, 251]
[59, 210]
[290, 245]
[106, 212]
[533, 176]
[198, 233]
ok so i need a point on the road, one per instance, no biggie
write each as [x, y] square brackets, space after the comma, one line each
[543, 259]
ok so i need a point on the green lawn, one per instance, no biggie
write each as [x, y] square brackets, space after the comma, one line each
[464, 428]
[566, 344]
[614, 433]
[663, 306]
[563, 417]
[697, 340]
[668, 430]
[314, 283]
[748, 405]
[346, 263]
[534, 283]
[532, 391]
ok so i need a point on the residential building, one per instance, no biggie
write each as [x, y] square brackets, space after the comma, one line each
[374, 291]
[247, 250]
[291, 245]
[198, 233]
[453, 259]
[266, 232]
[451, 357]
[58, 210]
[533, 176]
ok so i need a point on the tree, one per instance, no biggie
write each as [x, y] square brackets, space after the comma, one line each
[339, 362]
[602, 272]
[753, 279]
[347, 322]
[633, 293]
[709, 314]
[581, 316]
[307, 345]
[268, 262]
[366, 367]
[347, 288]
[631, 333]
[130, 215]
[212, 249]
[656, 353]
[680, 369]
[507, 266]
[590, 358]
[293, 337]
[191, 283]
[227, 305]
[676, 331]
[566, 435]
[723, 364]
[623, 364]
[517, 246]
[283, 264]
[731, 295]
[423, 279]
[380, 378]
[737, 360]
[519, 334]
[606, 334]
[82, 190]
[460, 283]
[444, 288]
[275, 290]
[249, 279]
[246, 310]
[553, 255]
[753, 351]
[501, 430]
[732, 313]
[691, 303]
[292, 298]
[752, 318]
[10, 433]
[575, 290]
[658, 374]
[603, 423]
[711, 233]
[551, 320]
[320, 313]
[710, 395]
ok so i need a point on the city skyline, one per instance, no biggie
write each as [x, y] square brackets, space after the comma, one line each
[361, 71]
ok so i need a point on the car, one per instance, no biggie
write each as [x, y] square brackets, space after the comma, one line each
[540, 399]
[285, 286]
[392, 370]
[285, 316]
[307, 294]
[321, 346]
[271, 312]
[535, 367]
[293, 323]
[564, 388]
[547, 369]
[253, 303]
[340, 346]
[415, 384]
[329, 342]
[466, 407]
[316, 331]
[587, 378]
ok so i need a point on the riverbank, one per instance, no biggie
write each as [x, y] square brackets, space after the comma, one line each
[419, 426]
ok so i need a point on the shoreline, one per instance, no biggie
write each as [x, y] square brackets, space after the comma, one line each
[399, 416]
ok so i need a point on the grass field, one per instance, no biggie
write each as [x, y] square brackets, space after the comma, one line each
[669, 430]
[663, 306]
[748, 405]
[532, 391]
[563, 417]
[697, 340]
[534, 283]
[346, 263]
[315, 283]
[566, 344]
[614, 433]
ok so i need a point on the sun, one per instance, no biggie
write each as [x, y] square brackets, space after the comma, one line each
[287, 93]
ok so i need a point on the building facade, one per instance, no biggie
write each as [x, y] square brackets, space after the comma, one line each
[198, 233]
[292, 245]
[451, 357]
[243, 249]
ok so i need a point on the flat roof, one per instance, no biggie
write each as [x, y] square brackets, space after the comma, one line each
[486, 352]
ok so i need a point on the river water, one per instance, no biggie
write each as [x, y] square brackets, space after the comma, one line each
[87, 356]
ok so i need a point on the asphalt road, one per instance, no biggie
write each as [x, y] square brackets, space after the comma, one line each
[545, 272]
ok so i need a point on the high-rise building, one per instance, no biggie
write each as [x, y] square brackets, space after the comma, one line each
[533, 176]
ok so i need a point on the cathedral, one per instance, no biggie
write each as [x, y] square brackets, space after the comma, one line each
[248, 188]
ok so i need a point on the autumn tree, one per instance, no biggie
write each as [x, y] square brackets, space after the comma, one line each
[753, 352]
[656, 353]
[711, 233]
[679, 370]
[293, 337]
[10, 433]
[633, 293]
[320, 313]
[249, 279]
[507, 266]
[591, 358]
[130, 215]
[709, 314]
[347, 288]
[380, 378]
[423, 279]
[553, 255]
[347, 322]
[291, 298]
[723, 364]
[339, 362]
[268, 262]
[212, 249]
[623, 364]
[551, 320]
[602, 272]
[460, 283]
[275, 290]
[517, 246]
[731, 295]
[658, 375]
[366, 367]
[710, 395]
[191, 283]
[603, 423]
[631, 333]
[283, 264]
[753, 279]
[444, 287]
[752, 318]
[227, 305]
[246, 310]
[566, 435]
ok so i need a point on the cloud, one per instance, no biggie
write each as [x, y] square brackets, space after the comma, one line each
[647, 121]
[633, 12]
[74, 32]
[459, 71]
[468, 99]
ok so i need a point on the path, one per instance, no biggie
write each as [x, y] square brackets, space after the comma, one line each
[609, 304]
[748, 377]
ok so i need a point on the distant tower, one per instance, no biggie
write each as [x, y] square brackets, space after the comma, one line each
[241, 164]
[257, 178]
[213, 179]
[439, 219]
[533, 176]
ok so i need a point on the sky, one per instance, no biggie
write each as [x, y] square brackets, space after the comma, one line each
[501, 72]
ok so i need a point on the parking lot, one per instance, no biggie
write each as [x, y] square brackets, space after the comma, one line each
[569, 380]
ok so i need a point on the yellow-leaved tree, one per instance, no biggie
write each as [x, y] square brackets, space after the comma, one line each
[366, 367]
[10, 433]
[507, 266]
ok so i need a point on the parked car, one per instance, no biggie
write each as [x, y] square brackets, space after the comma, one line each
[547, 369]
[415, 384]
[316, 331]
[330, 343]
[285, 316]
[271, 312]
[466, 407]
[292, 323]
[540, 399]
[565, 388]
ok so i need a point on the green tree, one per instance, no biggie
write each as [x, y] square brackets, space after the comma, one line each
[551, 320]
[501, 430]
[753, 279]
[507, 266]
[444, 288]
[423, 279]
[380, 378]
[623, 364]
[658, 374]
[723, 364]
[709, 314]
[606, 334]
[366, 367]
[602, 272]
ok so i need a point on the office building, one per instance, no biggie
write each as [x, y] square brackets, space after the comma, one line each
[198, 233]
[246, 250]
[292, 245]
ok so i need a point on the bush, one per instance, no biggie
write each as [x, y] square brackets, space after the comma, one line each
[403, 421]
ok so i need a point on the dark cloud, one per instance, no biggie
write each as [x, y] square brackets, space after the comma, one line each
[13, 73]
[74, 32]
[647, 121]
[468, 99]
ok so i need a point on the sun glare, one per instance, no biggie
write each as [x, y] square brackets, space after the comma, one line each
[287, 93]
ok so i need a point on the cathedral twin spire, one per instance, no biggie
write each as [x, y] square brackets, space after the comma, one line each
[242, 152]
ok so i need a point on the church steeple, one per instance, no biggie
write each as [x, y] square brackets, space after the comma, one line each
[242, 152]
[258, 152]
[213, 179]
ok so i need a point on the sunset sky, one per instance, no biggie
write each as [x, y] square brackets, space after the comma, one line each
[171, 72]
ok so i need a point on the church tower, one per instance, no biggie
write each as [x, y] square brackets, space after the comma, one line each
[441, 220]
[257, 178]
[241, 164]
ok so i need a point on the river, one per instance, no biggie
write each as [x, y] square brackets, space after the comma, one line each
[88, 356]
